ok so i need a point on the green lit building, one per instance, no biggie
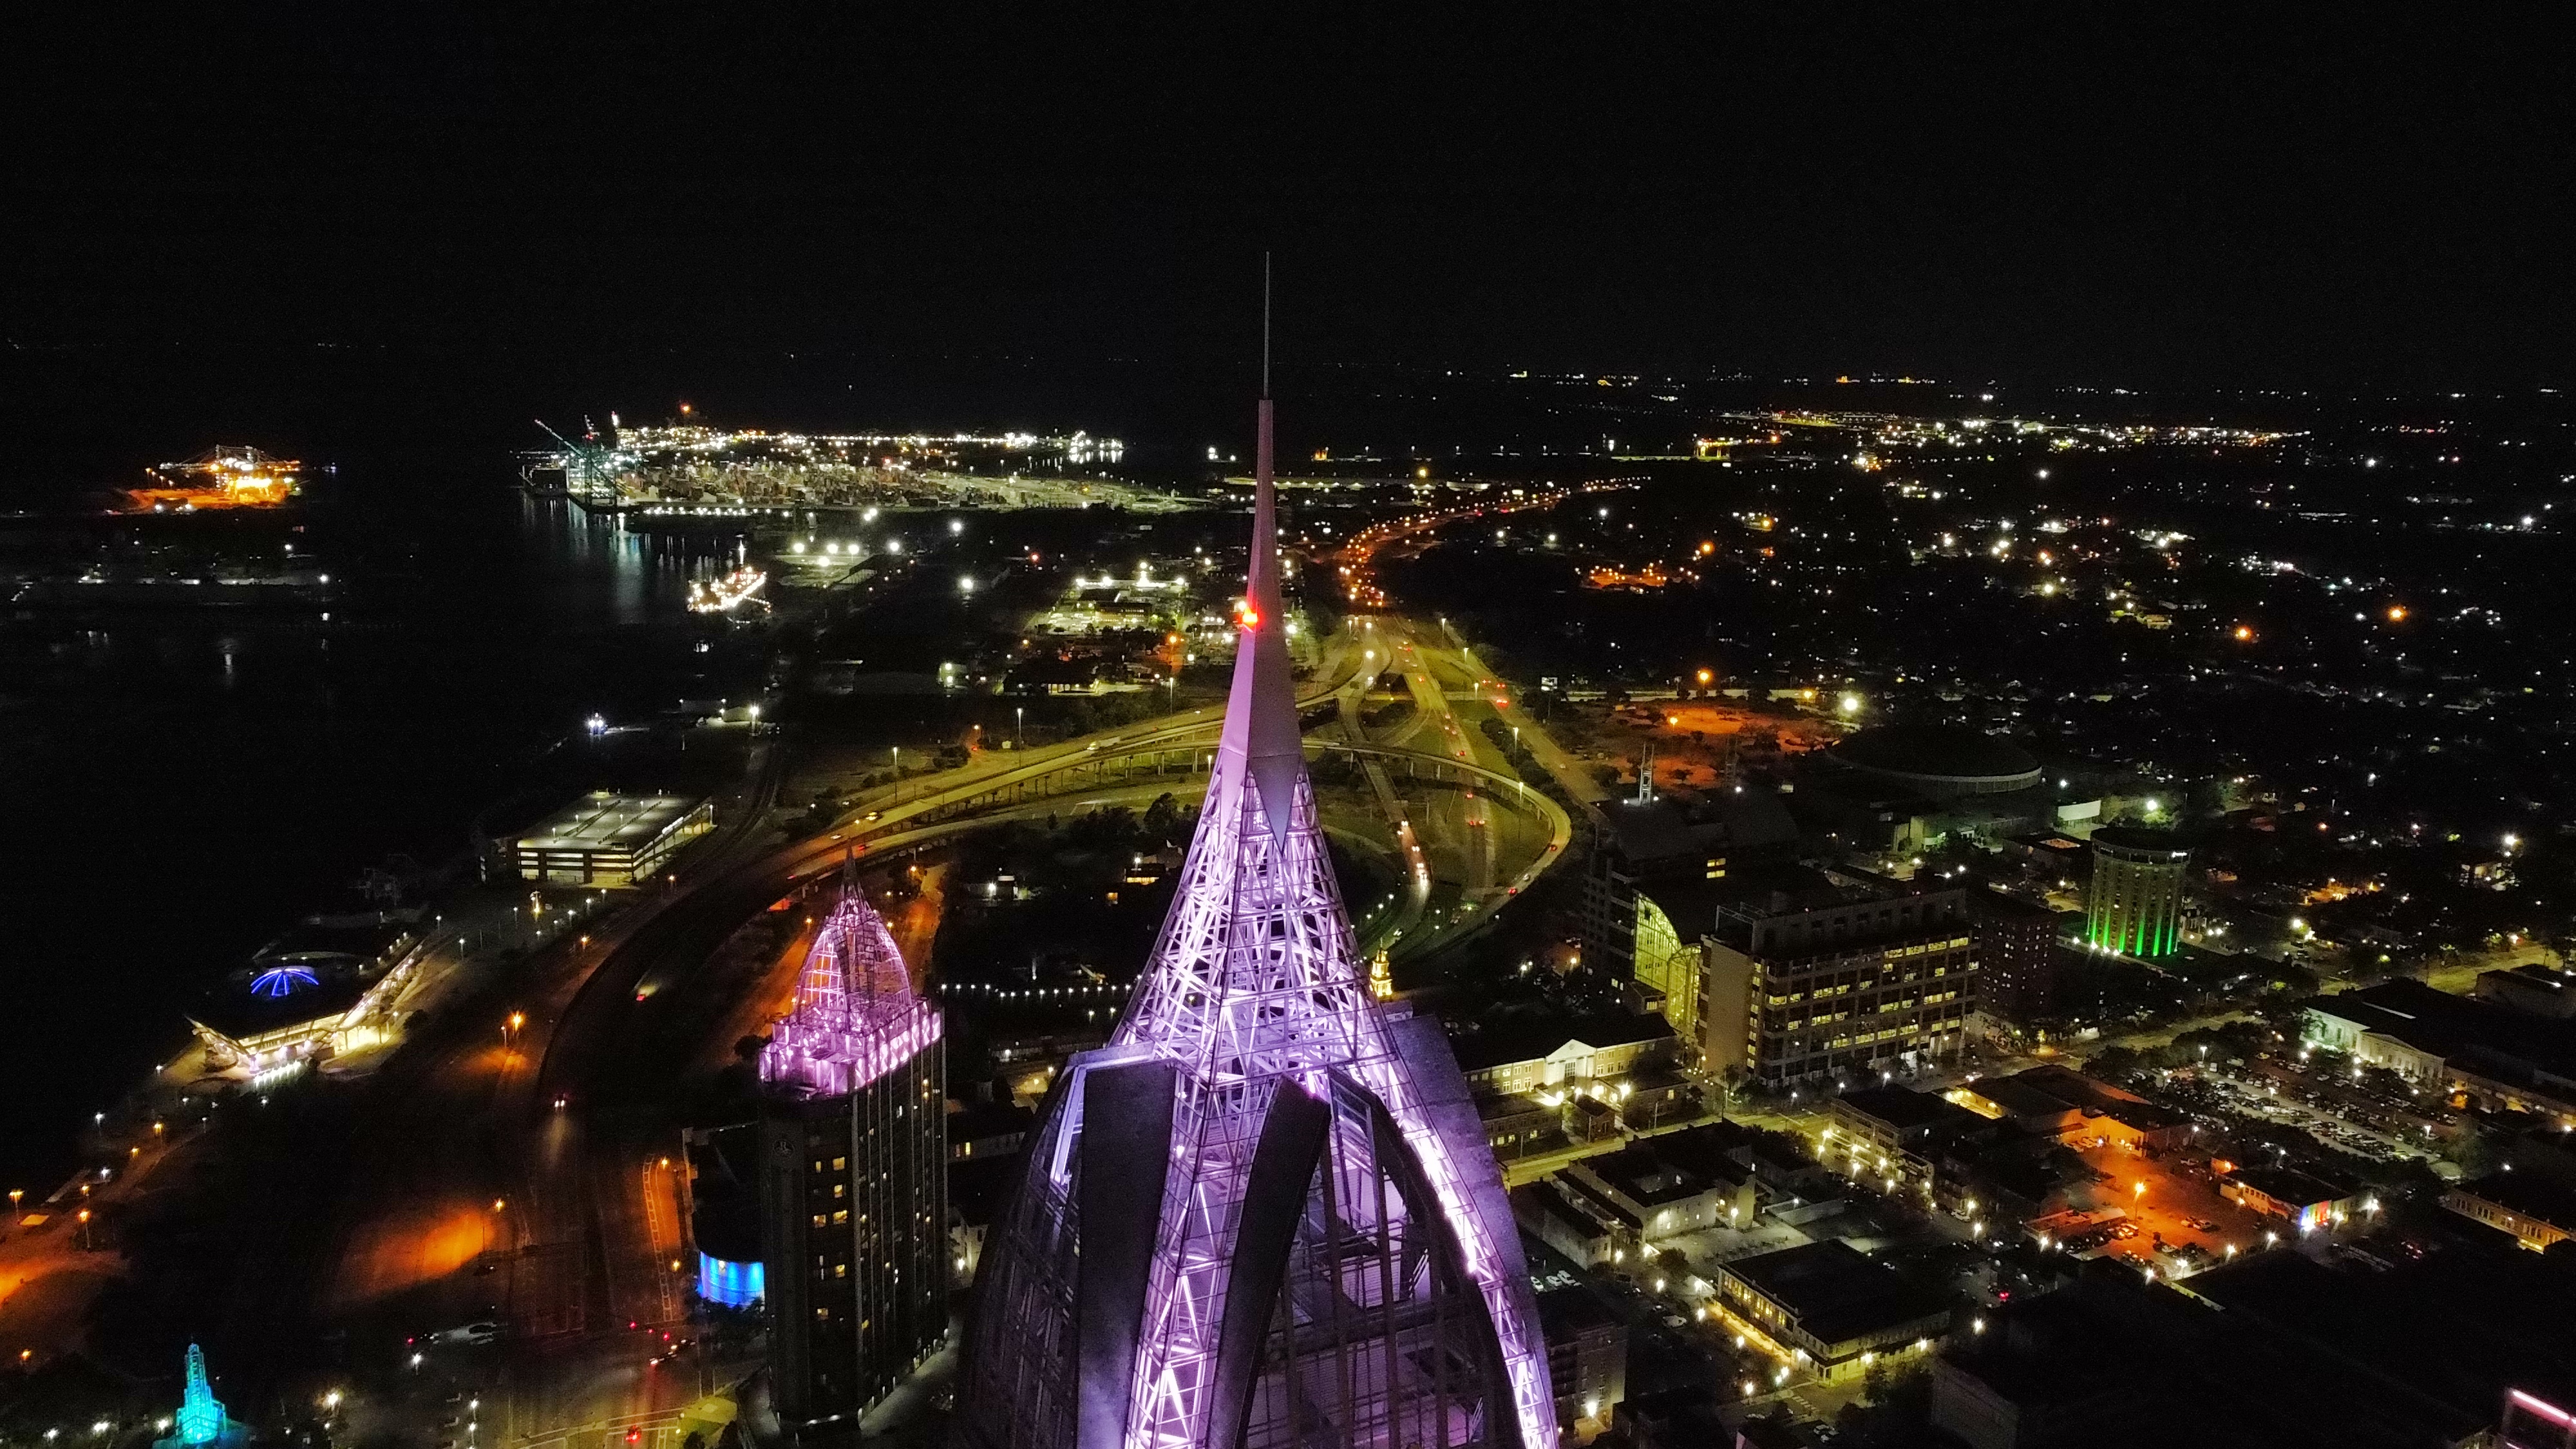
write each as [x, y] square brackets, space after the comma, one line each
[2135, 906]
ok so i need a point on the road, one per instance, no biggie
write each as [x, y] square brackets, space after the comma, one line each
[525, 1173]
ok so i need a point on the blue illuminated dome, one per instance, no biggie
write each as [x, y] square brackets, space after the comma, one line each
[283, 981]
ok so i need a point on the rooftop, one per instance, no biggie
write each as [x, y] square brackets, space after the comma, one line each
[1903, 1108]
[1566, 1311]
[1938, 752]
[1649, 1175]
[2446, 1026]
[1665, 829]
[2289, 1185]
[1995, 905]
[2458, 1326]
[600, 821]
[282, 996]
[1527, 1039]
[2017, 1098]
[2529, 1194]
[1835, 1291]
[1549, 1199]
[2130, 837]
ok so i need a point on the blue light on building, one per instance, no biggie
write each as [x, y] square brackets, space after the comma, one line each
[735, 1285]
[283, 981]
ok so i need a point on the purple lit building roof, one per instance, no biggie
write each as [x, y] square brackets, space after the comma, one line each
[856, 1017]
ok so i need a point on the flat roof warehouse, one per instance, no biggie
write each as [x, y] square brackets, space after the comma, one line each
[611, 840]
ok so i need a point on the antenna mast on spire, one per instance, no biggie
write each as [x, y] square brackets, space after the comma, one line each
[1265, 325]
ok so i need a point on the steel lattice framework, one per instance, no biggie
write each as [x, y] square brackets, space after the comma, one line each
[1264, 1214]
[856, 1017]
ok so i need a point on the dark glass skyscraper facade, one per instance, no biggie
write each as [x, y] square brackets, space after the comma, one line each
[853, 1174]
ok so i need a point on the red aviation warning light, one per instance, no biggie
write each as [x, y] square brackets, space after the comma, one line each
[1245, 615]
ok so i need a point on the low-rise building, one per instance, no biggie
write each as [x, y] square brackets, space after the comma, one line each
[2055, 1101]
[2310, 1203]
[1584, 1231]
[1586, 1054]
[323, 990]
[1832, 1308]
[1517, 1126]
[2536, 989]
[2494, 1056]
[1587, 1358]
[1679, 1182]
[607, 841]
[1892, 1137]
[2025, 1106]
[988, 1129]
[2536, 1210]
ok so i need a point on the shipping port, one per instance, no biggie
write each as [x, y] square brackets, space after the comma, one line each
[223, 476]
[690, 470]
[224, 529]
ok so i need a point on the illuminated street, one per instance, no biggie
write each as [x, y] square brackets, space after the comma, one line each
[1795, 729]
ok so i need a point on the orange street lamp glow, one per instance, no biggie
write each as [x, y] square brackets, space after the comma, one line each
[2244, 634]
[2397, 613]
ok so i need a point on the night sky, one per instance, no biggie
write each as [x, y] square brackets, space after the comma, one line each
[2031, 193]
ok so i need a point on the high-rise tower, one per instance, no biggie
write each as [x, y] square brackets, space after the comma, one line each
[1265, 1214]
[2135, 903]
[853, 1174]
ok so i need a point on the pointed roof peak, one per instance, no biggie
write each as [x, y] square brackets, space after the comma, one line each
[855, 1014]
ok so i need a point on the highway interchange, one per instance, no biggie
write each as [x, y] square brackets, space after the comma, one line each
[529, 1174]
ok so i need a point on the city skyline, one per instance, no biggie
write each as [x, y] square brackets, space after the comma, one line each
[1875, 750]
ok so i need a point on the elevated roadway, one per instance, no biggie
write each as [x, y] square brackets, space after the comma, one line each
[539, 1157]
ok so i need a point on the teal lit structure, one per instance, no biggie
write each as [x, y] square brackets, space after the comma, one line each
[2135, 904]
[201, 1414]
[202, 1421]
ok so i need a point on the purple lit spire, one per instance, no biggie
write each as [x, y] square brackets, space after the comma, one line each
[1266, 1211]
[1257, 979]
[856, 1017]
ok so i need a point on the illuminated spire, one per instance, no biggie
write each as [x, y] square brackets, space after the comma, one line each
[1256, 1123]
[856, 1016]
[201, 1414]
